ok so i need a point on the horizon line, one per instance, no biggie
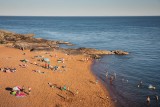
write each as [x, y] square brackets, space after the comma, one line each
[79, 16]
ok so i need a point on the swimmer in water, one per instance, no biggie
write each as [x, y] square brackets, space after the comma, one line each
[114, 75]
[140, 84]
[156, 97]
[106, 74]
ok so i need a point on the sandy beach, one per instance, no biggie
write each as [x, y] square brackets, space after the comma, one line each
[71, 85]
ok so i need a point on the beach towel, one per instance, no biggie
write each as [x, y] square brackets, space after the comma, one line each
[16, 88]
[21, 94]
[59, 61]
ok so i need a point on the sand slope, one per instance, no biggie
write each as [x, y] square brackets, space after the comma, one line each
[77, 76]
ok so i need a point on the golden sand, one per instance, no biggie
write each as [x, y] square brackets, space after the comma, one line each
[82, 90]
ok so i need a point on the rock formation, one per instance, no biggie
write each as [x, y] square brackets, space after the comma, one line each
[27, 41]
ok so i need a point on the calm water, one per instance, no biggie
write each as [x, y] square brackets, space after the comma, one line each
[138, 35]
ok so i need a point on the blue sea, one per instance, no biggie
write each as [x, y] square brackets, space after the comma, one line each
[140, 36]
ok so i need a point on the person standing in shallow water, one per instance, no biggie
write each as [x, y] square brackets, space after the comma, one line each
[148, 100]
[111, 80]
[114, 74]
[107, 74]
[156, 96]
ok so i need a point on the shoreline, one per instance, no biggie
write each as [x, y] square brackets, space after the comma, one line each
[90, 93]
[26, 42]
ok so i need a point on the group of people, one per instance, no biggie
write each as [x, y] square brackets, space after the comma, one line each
[8, 70]
[148, 100]
[111, 78]
[20, 91]
[38, 71]
[47, 65]
[63, 88]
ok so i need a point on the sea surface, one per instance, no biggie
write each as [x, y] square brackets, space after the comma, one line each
[140, 36]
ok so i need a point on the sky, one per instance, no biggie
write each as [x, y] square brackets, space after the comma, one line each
[79, 7]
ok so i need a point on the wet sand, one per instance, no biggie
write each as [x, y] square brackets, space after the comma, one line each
[83, 89]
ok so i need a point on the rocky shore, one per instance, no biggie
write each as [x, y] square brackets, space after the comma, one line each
[27, 41]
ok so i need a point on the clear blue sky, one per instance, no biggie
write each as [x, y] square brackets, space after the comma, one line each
[80, 7]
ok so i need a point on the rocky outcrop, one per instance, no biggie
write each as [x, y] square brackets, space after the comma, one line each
[27, 41]
[94, 53]
[120, 52]
[13, 37]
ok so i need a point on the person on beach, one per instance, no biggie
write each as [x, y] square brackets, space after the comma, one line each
[96, 81]
[48, 64]
[23, 89]
[45, 65]
[29, 90]
[23, 65]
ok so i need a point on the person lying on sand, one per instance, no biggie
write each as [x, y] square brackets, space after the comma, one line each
[8, 70]
[55, 68]
[23, 65]
[23, 89]
[53, 85]
[13, 69]
[24, 60]
[18, 91]
[38, 71]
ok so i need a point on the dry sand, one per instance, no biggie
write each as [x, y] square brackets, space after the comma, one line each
[77, 76]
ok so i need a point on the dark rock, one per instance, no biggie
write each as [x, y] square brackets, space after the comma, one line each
[2, 42]
[41, 49]
[120, 52]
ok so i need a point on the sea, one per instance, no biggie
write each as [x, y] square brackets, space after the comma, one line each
[138, 35]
